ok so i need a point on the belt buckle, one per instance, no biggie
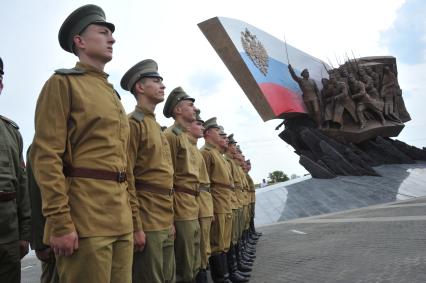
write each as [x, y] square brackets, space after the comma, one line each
[121, 177]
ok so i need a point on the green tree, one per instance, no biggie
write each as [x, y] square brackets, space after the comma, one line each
[277, 176]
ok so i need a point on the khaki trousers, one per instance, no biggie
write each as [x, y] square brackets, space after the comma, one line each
[240, 222]
[156, 263]
[235, 227]
[205, 250]
[220, 234]
[98, 260]
[49, 273]
[10, 262]
[187, 250]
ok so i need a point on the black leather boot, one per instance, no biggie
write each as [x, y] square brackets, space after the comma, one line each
[216, 269]
[201, 276]
[234, 275]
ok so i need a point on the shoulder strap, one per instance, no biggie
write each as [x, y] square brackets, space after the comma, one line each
[10, 122]
[72, 71]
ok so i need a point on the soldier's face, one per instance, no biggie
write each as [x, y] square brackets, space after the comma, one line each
[96, 43]
[196, 129]
[153, 89]
[223, 142]
[187, 110]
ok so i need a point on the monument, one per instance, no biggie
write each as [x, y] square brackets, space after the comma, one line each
[339, 120]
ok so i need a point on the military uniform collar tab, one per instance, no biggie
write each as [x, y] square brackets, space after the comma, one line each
[144, 110]
[91, 69]
[179, 126]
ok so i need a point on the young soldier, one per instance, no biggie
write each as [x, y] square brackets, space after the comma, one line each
[186, 182]
[79, 154]
[15, 212]
[221, 184]
[151, 173]
[205, 201]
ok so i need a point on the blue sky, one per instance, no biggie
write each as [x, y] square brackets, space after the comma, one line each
[167, 31]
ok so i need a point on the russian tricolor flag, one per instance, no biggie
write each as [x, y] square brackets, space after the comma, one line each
[270, 88]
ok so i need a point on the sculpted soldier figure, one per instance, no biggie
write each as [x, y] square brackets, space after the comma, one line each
[180, 106]
[151, 174]
[342, 102]
[79, 154]
[364, 102]
[15, 212]
[204, 199]
[388, 93]
[310, 93]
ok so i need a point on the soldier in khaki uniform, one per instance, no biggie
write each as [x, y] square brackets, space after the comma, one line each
[205, 201]
[221, 184]
[252, 192]
[15, 214]
[240, 262]
[180, 106]
[151, 174]
[43, 252]
[80, 156]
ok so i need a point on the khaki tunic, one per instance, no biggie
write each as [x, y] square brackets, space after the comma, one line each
[252, 189]
[186, 172]
[237, 181]
[151, 164]
[80, 122]
[220, 178]
[205, 200]
[15, 215]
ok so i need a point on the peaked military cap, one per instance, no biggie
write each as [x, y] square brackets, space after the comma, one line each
[177, 95]
[231, 139]
[143, 69]
[239, 149]
[197, 116]
[1, 67]
[211, 123]
[75, 23]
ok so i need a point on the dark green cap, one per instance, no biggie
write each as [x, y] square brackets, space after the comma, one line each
[1, 67]
[231, 139]
[211, 123]
[78, 21]
[143, 69]
[197, 117]
[177, 95]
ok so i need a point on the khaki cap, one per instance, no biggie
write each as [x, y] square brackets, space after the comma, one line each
[75, 23]
[211, 123]
[177, 95]
[231, 139]
[143, 69]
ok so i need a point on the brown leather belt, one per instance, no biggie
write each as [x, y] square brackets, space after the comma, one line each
[227, 186]
[186, 191]
[119, 177]
[7, 196]
[142, 186]
[204, 189]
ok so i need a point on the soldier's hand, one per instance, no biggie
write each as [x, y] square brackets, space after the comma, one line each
[44, 255]
[23, 248]
[173, 230]
[139, 240]
[64, 245]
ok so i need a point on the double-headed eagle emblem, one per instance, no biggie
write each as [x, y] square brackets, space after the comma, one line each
[255, 50]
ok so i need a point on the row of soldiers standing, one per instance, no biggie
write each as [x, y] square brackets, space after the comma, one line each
[116, 199]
